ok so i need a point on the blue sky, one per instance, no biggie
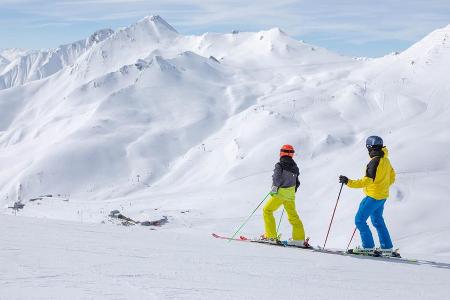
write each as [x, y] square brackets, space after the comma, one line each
[357, 27]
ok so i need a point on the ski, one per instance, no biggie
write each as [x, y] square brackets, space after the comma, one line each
[268, 242]
[249, 240]
[283, 243]
[228, 238]
[377, 255]
[280, 243]
[319, 249]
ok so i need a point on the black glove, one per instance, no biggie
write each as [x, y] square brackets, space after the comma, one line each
[343, 179]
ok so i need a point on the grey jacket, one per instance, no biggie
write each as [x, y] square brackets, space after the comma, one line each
[286, 173]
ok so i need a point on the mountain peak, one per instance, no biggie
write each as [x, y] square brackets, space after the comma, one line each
[277, 30]
[100, 35]
[436, 42]
[13, 53]
[158, 22]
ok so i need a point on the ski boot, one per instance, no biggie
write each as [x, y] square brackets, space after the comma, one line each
[299, 243]
[389, 252]
[364, 251]
[264, 239]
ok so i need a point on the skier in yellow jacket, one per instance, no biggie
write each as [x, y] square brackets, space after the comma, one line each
[284, 186]
[378, 178]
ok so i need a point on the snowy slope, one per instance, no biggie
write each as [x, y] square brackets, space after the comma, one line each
[103, 80]
[9, 55]
[13, 53]
[46, 259]
[3, 63]
[18, 67]
[152, 122]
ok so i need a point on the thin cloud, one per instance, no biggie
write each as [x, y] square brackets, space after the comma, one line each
[348, 21]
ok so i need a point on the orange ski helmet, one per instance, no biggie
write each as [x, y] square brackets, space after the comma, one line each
[287, 150]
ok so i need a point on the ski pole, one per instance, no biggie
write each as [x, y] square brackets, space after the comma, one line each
[279, 222]
[245, 222]
[350, 240]
[332, 217]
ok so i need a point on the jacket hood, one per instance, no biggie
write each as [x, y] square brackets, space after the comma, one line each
[385, 151]
[288, 164]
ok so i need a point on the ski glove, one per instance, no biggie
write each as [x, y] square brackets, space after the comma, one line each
[274, 190]
[343, 179]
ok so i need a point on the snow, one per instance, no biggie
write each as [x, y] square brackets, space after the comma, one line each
[48, 259]
[154, 123]
[12, 53]
[25, 66]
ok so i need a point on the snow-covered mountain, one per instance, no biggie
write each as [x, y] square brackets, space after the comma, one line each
[8, 55]
[155, 123]
[13, 53]
[20, 67]
[153, 34]
[148, 116]
[150, 57]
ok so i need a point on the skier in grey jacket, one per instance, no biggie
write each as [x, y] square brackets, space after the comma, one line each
[285, 183]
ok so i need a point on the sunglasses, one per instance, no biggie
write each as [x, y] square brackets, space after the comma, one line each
[370, 147]
[287, 151]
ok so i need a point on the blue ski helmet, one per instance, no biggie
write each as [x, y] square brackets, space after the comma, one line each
[374, 142]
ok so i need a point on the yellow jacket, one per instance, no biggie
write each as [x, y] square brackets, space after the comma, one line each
[379, 177]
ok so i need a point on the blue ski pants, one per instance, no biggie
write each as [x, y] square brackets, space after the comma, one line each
[372, 208]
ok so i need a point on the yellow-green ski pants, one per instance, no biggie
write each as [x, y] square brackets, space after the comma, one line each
[298, 233]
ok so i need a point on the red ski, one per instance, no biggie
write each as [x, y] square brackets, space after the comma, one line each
[230, 239]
